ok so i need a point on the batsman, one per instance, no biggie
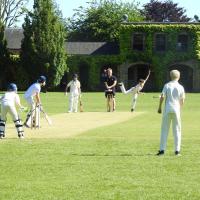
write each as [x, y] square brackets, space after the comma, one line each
[33, 91]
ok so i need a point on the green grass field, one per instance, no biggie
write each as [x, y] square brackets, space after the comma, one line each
[112, 162]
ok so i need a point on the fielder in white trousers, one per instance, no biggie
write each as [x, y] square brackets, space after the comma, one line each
[174, 96]
[75, 92]
[73, 102]
[167, 119]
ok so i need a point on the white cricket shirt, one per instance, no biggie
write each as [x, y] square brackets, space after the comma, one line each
[173, 92]
[136, 89]
[10, 98]
[74, 86]
[32, 90]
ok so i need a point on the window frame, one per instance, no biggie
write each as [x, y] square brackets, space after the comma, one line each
[185, 47]
[155, 42]
[143, 41]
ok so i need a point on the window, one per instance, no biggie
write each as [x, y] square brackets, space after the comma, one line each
[138, 41]
[182, 42]
[160, 42]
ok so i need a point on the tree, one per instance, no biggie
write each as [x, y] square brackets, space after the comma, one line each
[166, 11]
[3, 55]
[11, 10]
[101, 20]
[196, 18]
[43, 44]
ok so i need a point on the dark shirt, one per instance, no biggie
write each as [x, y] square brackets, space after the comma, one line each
[104, 77]
[110, 81]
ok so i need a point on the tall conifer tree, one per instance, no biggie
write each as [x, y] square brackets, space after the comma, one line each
[43, 44]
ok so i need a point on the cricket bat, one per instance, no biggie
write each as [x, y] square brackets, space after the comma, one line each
[81, 106]
[47, 117]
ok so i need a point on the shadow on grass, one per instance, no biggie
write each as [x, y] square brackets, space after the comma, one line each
[112, 155]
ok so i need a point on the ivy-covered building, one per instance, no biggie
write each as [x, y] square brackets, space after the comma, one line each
[142, 46]
[160, 47]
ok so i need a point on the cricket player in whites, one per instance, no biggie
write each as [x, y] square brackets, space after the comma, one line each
[8, 102]
[75, 93]
[134, 90]
[174, 96]
[33, 91]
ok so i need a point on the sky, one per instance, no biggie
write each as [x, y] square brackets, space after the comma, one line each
[66, 6]
[192, 6]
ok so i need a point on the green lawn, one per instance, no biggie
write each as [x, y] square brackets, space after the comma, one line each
[115, 162]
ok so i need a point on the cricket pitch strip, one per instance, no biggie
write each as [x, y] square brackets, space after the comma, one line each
[71, 124]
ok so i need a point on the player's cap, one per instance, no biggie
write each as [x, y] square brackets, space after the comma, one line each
[75, 75]
[12, 87]
[41, 79]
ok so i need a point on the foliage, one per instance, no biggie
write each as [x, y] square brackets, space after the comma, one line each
[59, 14]
[4, 55]
[16, 73]
[196, 18]
[3, 44]
[43, 49]
[161, 11]
[159, 60]
[10, 66]
[11, 11]
[100, 21]
[197, 46]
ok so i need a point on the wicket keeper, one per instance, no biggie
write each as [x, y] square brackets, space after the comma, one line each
[8, 105]
[174, 96]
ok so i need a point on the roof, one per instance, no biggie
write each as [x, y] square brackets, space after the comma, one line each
[92, 48]
[14, 37]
